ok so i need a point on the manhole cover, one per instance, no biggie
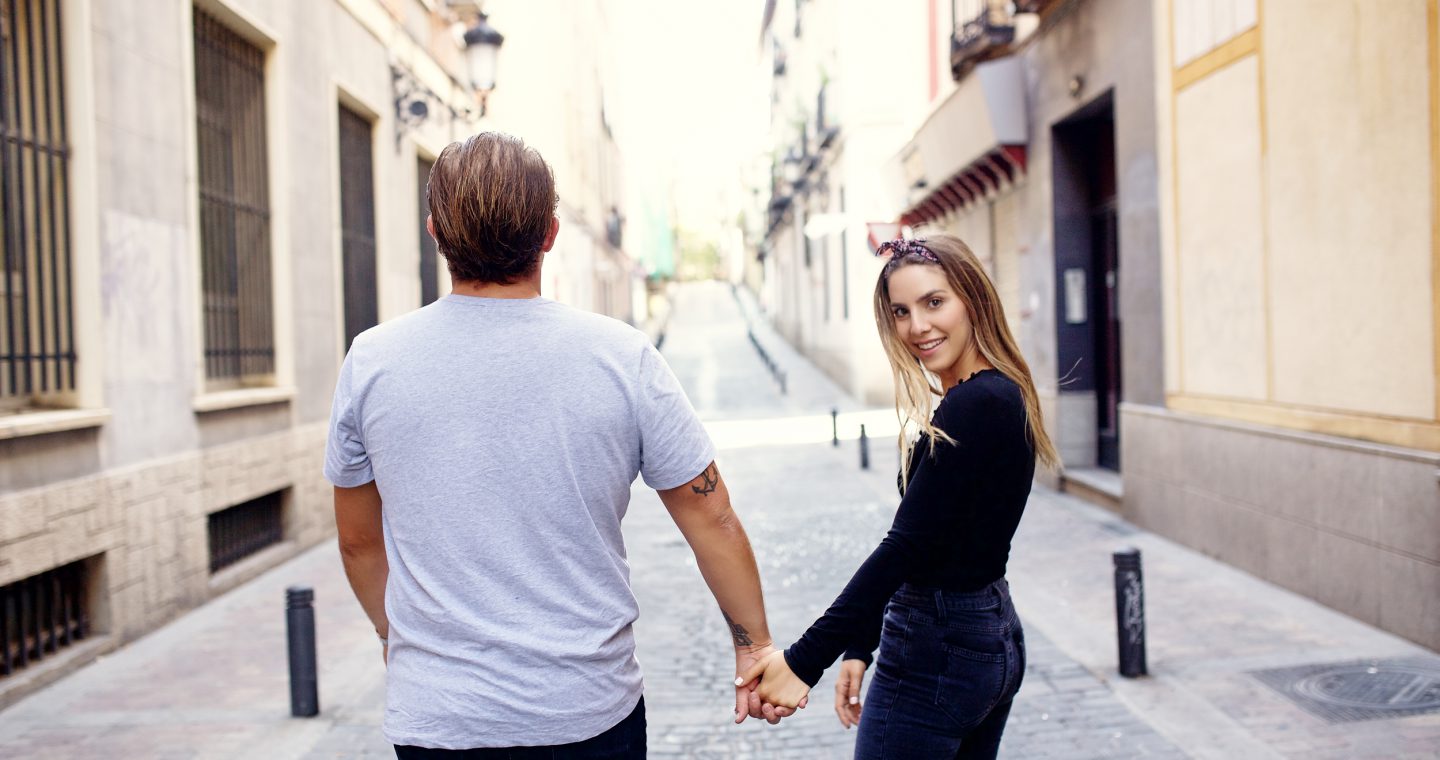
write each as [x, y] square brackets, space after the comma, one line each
[1364, 690]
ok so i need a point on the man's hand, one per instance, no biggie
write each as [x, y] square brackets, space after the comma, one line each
[747, 702]
[847, 692]
[701, 509]
[777, 684]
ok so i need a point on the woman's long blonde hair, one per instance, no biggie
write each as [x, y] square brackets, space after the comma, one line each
[915, 390]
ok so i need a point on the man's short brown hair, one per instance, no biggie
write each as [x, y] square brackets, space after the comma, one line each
[491, 201]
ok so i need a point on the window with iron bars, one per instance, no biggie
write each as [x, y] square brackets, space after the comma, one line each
[237, 532]
[234, 206]
[37, 335]
[357, 224]
[41, 615]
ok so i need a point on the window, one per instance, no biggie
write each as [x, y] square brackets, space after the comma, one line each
[42, 615]
[357, 224]
[234, 205]
[37, 337]
[244, 529]
[429, 256]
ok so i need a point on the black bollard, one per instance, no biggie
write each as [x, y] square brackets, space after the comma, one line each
[834, 427]
[1130, 612]
[864, 450]
[300, 630]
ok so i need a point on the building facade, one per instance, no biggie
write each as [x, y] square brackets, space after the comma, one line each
[203, 202]
[1213, 227]
[1298, 437]
[1040, 151]
[557, 71]
[838, 109]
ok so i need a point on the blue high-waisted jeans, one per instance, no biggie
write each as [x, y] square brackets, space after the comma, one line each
[949, 666]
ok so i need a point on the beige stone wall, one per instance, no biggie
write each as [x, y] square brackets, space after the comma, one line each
[1221, 261]
[1298, 156]
[149, 522]
[1347, 523]
[130, 489]
[1349, 197]
[1297, 160]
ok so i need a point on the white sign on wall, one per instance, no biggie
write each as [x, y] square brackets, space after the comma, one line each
[1075, 296]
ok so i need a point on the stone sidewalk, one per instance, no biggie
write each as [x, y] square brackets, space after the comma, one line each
[213, 683]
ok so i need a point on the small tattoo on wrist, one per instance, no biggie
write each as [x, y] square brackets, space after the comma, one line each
[737, 631]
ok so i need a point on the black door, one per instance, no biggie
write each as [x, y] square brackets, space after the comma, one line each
[1087, 257]
[1105, 292]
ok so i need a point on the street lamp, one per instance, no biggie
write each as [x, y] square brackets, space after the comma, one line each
[482, 48]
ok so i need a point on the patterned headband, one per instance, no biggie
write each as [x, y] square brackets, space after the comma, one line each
[899, 248]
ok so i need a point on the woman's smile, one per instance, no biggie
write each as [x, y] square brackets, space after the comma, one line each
[927, 349]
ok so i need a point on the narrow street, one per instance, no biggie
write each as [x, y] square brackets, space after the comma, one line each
[213, 683]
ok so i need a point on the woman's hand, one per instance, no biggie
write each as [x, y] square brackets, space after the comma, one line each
[847, 692]
[747, 702]
[779, 686]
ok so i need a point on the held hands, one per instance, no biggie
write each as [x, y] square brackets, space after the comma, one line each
[847, 692]
[778, 685]
[747, 701]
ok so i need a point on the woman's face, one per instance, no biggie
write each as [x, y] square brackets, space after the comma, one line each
[930, 318]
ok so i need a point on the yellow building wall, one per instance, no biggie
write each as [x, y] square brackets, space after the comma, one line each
[1300, 266]
[1348, 125]
[1221, 236]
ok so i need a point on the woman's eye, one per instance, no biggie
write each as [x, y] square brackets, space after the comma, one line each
[899, 313]
[935, 303]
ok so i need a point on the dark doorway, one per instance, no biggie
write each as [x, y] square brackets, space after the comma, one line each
[1087, 258]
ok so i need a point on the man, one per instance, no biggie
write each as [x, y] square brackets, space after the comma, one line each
[482, 450]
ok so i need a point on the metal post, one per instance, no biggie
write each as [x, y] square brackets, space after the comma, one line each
[834, 427]
[783, 390]
[300, 630]
[1130, 612]
[864, 450]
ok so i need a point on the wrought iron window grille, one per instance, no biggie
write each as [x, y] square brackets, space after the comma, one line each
[237, 532]
[234, 205]
[42, 615]
[37, 332]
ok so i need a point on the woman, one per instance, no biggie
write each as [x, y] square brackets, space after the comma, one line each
[952, 652]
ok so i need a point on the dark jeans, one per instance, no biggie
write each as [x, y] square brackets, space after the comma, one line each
[949, 666]
[623, 742]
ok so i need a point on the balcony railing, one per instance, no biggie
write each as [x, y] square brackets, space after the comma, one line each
[986, 32]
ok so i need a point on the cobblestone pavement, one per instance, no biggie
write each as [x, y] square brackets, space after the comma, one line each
[213, 683]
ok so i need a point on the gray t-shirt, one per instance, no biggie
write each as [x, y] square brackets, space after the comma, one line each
[504, 435]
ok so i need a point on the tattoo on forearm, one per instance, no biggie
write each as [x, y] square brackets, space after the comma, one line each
[737, 631]
[711, 476]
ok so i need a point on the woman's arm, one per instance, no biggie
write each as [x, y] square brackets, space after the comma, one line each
[925, 524]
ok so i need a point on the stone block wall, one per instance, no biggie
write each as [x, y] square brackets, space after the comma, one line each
[146, 527]
[1353, 525]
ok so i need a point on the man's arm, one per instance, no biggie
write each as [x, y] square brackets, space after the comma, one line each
[701, 509]
[362, 549]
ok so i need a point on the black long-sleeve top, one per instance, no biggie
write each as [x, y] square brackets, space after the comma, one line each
[954, 524]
